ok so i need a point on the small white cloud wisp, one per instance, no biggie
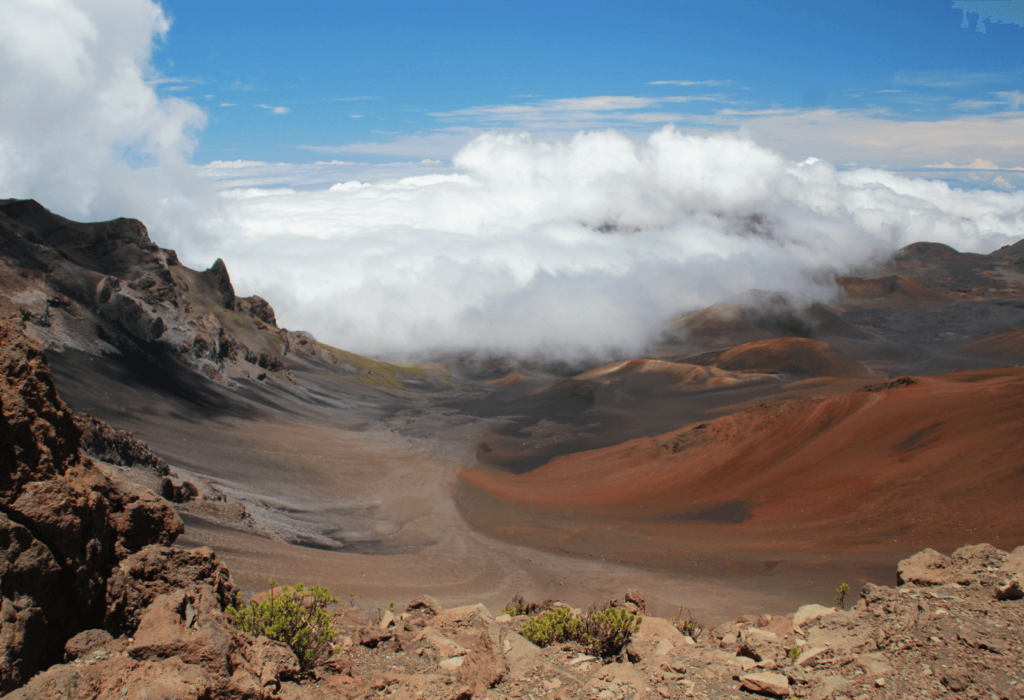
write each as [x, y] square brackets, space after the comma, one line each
[583, 247]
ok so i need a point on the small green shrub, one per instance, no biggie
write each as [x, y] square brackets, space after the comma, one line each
[606, 630]
[298, 617]
[794, 653]
[603, 631]
[554, 626]
[840, 599]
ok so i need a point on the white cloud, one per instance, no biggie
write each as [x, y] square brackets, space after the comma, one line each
[687, 83]
[507, 252]
[236, 164]
[976, 164]
[1014, 99]
[275, 110]
[973, 105]
[573, 112]
[81, 117]
[953, 78]
[227, 104]
[438, 145]
[871, 137]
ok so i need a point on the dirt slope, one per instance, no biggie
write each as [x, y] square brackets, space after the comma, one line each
[939, 458]
[1007, 347]
[800, 357]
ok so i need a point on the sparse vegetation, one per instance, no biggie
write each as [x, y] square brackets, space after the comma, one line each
[518, 606]
[296, 616]
[794, 653]
[689, 625]
[376, 373]
[603, 631]
[840, 599]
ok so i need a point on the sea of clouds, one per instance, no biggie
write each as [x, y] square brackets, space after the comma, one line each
[584, 246]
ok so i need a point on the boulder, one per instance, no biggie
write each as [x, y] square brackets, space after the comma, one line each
[653, 631]
[86, 642]
[425, 602]
[766, 684]
[483, 668]
[807, 613]
[926, 568]
[155, 571]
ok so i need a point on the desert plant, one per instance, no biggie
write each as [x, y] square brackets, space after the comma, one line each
[794, 653]
[558, 625]
[603, 631]
[298, 617]
[840, 599]
[688, 626]
[607, 629]
[518, 606]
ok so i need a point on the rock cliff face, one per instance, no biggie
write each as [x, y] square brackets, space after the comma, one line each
[63, 522]
[86, 564]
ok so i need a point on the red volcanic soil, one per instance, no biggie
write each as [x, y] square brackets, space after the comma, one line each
[800, 357]
[676, 375]
[1008, 346]
[938, 461]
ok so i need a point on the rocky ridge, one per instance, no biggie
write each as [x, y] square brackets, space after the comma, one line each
[106, 288]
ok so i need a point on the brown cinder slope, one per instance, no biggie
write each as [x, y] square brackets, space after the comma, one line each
[938, 461]
[800, 357]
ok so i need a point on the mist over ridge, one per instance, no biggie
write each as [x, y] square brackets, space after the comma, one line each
[583, 247]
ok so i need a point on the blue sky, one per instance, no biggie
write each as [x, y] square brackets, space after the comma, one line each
[384, 81]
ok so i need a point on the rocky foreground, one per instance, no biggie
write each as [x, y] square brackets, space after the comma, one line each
[98, 603]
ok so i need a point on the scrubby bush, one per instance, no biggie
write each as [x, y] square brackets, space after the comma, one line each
[519, 606]
[554, 626]
[298, 617]
[603, 631]
[688, 625]
[606, 629]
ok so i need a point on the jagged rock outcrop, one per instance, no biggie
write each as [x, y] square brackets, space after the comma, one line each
[63, 522]
[119, 447]
[87, 571]
[106, 287]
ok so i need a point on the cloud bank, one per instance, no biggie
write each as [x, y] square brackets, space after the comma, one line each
[582, 247]
[82, 128]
